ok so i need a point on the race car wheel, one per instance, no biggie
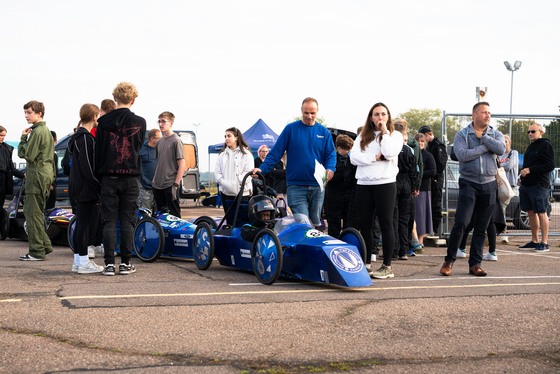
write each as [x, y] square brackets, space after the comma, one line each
[148, 239]
[209, 220]
[70, 233]
[352, 236]
[266, 256]
[203, 246]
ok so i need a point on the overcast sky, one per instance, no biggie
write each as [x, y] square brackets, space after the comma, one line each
[228, 63]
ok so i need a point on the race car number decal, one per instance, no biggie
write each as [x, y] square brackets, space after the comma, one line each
[314, 233]
[180, 243]
[346, 260]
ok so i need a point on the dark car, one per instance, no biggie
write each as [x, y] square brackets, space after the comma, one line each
[61, 179]
[514, 215]
[190, 188]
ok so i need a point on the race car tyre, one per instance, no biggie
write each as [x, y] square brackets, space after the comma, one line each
[70, 233]
[148, 239]
[4, 222]
[352, 236]
[203, 246]
[209, 220]
[266, 256]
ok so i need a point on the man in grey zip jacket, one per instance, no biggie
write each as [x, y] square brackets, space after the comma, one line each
[476, 147]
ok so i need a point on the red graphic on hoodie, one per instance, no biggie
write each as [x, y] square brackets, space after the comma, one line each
[121, 143]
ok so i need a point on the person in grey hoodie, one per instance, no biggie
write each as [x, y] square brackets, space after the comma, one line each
[476, 147]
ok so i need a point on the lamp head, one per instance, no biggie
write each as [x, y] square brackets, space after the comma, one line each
[508, 65]
[517, 65]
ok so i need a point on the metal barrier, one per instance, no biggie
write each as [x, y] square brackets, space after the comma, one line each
[517, 220]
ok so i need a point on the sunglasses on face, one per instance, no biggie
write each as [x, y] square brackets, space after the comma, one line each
[531, 131]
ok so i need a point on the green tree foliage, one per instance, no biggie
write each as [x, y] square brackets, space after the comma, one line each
[320, 120]
[519, 138]
[433, 118]
[553, 133]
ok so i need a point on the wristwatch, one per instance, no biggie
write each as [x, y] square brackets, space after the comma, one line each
[175, 185]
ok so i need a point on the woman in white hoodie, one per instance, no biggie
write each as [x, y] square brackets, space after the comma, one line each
[375, 153]
[233, 163]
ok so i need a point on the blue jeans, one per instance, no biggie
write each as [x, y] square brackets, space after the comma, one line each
[118, 204]
[307, 200]
[476, 202]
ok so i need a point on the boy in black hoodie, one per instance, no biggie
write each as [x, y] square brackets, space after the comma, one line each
[538, 162]
[120, 135]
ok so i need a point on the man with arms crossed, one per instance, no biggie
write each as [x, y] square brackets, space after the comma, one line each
[476, 147]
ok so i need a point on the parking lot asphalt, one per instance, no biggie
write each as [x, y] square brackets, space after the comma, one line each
[172, 317]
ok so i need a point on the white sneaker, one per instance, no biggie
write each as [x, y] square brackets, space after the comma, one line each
[99, 250]
[75, 268]
[461, 253]
[505, 240]
[369, 269]
[90, 268]
[91, 251]
[489, 256]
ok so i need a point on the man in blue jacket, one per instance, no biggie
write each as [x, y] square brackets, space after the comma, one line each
[476, 147]
[306, 143]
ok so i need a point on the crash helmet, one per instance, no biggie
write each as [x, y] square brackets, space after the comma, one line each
[260, 206]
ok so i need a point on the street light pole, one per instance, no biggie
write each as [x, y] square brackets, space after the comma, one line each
[196, 128]
[513, 68]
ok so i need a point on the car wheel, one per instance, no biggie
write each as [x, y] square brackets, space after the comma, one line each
[352, 236]
[267, 257]
[203, 246]
[209, 220]
[148, 239]
[521, 218]
[70, 233]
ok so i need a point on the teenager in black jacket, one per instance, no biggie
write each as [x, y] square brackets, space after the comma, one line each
[84, 188]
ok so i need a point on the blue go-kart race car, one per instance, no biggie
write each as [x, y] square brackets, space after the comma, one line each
[161, 235]
[165, 235]
[272, 244]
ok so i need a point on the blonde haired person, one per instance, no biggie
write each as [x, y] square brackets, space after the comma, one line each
[120, 135]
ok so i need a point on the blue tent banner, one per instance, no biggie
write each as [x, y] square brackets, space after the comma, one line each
[257, 135]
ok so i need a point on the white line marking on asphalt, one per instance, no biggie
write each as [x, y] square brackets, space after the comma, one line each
[10, 300]
[268, 292]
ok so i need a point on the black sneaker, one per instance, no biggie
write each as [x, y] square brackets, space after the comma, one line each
[529, 246]
[125, 269]
[542, 247]
[109, 270]
[28, 257]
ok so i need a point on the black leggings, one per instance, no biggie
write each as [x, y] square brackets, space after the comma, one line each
[87, 215]
[381, 199]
